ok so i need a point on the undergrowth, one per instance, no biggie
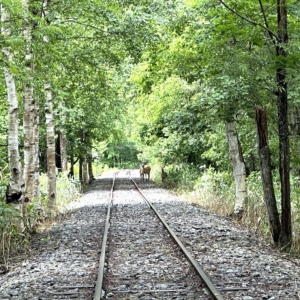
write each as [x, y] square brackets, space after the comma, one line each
[12, 240]
[215, 191]
[67, 191]
[10, 237]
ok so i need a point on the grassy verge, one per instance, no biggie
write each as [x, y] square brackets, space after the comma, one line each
[215, 191]
[12, 239]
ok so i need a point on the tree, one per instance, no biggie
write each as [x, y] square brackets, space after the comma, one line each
[233, 49]
[14, 189]
[266, 173]
[51, 167]
[282, 103]
[279, 41]
[50, 138]
[239, 168]
[30, 118]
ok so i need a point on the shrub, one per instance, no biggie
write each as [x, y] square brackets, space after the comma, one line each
[214, 191]
[10, 219]
[66, 191]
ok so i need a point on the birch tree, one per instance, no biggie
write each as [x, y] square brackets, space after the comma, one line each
[50, 137]
[63, 151]
[85, 174]
[84, 165]
[238, 166]
[279, 41]
[14, 189]
[30, 121]
[90, 166]
[51, 168]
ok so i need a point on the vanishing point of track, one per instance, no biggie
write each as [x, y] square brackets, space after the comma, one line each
[100, 294]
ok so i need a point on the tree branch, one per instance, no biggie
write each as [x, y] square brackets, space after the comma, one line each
[266, 21]
[271, 33]
[83, 24]
[81, 37]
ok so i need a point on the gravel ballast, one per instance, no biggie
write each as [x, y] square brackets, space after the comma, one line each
[142, 259]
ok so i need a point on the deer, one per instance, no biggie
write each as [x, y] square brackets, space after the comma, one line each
[141, 173]
[145, 170]
[164, 175]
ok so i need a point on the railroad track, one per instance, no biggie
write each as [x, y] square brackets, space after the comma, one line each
[142, 260]
[137, 239]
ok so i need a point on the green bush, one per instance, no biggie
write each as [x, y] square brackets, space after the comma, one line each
[220, 183]
[182, 176]
[10, 219]
[66, 191]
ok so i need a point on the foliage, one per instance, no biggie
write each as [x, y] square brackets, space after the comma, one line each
[66, 191]
[221, 183]
[10, 239]
[3, 183]
[121, 155]
[215, 63]
[182, 176]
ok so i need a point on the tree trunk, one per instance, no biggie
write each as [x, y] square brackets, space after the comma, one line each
[294, 122]
[36, 183]
[72, 163]
[239, 168]
[51, 168]
[63, 152]
[30, 125]
[294, 118]
[57, 152]
[266, 173]
[85, 177]
[14, 190]
[282, 104]
[84, 170]
[80, 171]
[90, 166]
[280, 42]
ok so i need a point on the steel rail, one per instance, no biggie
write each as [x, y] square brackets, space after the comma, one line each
[98, 288]
[210, 286]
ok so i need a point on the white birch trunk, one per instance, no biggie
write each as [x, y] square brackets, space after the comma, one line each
[63, 152]
[238, 166]
[51, 163]
[90, 166]
[51, 168]
[14, 193]
[30, 125]
[14, 190]
[85, 175]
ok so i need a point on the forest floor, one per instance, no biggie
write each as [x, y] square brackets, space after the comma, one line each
[62, 261]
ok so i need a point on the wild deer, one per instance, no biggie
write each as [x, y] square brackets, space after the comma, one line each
[141, 173]
[164, 175]
[145, 171]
